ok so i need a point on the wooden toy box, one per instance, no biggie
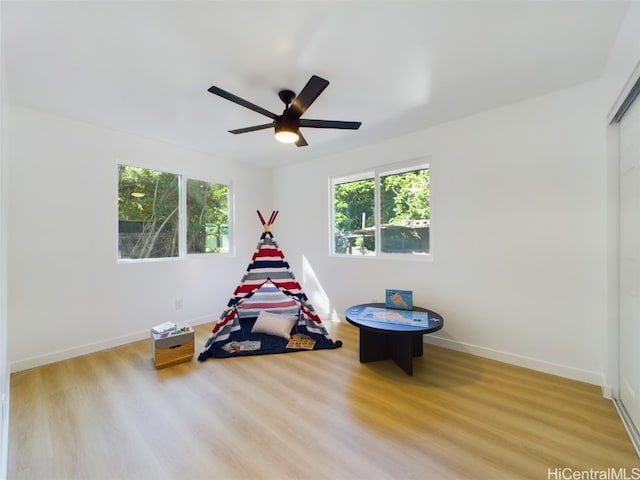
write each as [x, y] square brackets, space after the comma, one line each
[168, 349]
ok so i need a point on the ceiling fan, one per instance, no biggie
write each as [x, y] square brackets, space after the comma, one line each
[287, 125]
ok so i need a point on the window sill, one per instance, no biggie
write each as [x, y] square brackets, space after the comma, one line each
[389, 256]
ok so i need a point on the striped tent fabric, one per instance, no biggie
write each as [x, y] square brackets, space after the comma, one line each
[268, 284]
[268, 298]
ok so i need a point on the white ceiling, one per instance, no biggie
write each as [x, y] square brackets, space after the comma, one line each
[144, 67]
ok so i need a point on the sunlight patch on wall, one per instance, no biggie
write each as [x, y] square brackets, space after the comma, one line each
[317, 295]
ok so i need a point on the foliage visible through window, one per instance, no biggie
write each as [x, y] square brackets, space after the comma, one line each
[150, 206]
[382, 213]
[353, 217]
[148, 203]
[207, 217]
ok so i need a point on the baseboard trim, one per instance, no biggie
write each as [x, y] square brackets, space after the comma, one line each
[519, 360]
[59, 355]
[586, 376]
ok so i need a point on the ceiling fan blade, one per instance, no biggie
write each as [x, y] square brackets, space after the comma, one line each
[305, 122]
[312, 90]
[240, 101]
[252, 129]
[301, 141]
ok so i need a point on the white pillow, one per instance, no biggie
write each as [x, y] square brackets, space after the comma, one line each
[274, 324]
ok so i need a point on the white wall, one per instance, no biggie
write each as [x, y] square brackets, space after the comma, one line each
[518, 215]
[68, 295]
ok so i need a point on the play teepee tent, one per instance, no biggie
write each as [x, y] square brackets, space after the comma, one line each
[268, 307]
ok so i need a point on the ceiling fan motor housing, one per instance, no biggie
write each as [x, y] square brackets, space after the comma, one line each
[287, 96]
[282, 122]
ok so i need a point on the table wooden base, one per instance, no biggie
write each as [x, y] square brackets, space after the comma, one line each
[375, 346]
[381, 339]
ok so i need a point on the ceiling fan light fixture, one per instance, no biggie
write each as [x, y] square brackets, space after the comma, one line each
[287, 136]
[286, 131]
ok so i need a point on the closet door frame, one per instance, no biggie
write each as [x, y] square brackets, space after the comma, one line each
[624, 232]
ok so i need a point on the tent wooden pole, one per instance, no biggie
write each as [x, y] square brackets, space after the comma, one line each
[261, 218]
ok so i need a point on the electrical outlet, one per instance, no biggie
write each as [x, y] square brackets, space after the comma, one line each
[179, 304]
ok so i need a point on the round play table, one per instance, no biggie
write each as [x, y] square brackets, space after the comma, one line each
[392, 334]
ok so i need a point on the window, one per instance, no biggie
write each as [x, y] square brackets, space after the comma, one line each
[354, 224]
[207, 217]
[163, 215]
[384, 212]
[148, 204]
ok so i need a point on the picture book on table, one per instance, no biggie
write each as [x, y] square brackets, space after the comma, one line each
[400, 299]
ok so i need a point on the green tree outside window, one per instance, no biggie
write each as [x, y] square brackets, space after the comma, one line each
[148, 203]
[207, 217]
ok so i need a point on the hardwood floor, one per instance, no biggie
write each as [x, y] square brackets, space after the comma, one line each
[308, 415]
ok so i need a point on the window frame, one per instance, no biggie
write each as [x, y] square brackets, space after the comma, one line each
[182, 216]
[376, 173]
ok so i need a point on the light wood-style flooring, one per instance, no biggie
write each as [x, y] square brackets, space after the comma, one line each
[307, 415]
